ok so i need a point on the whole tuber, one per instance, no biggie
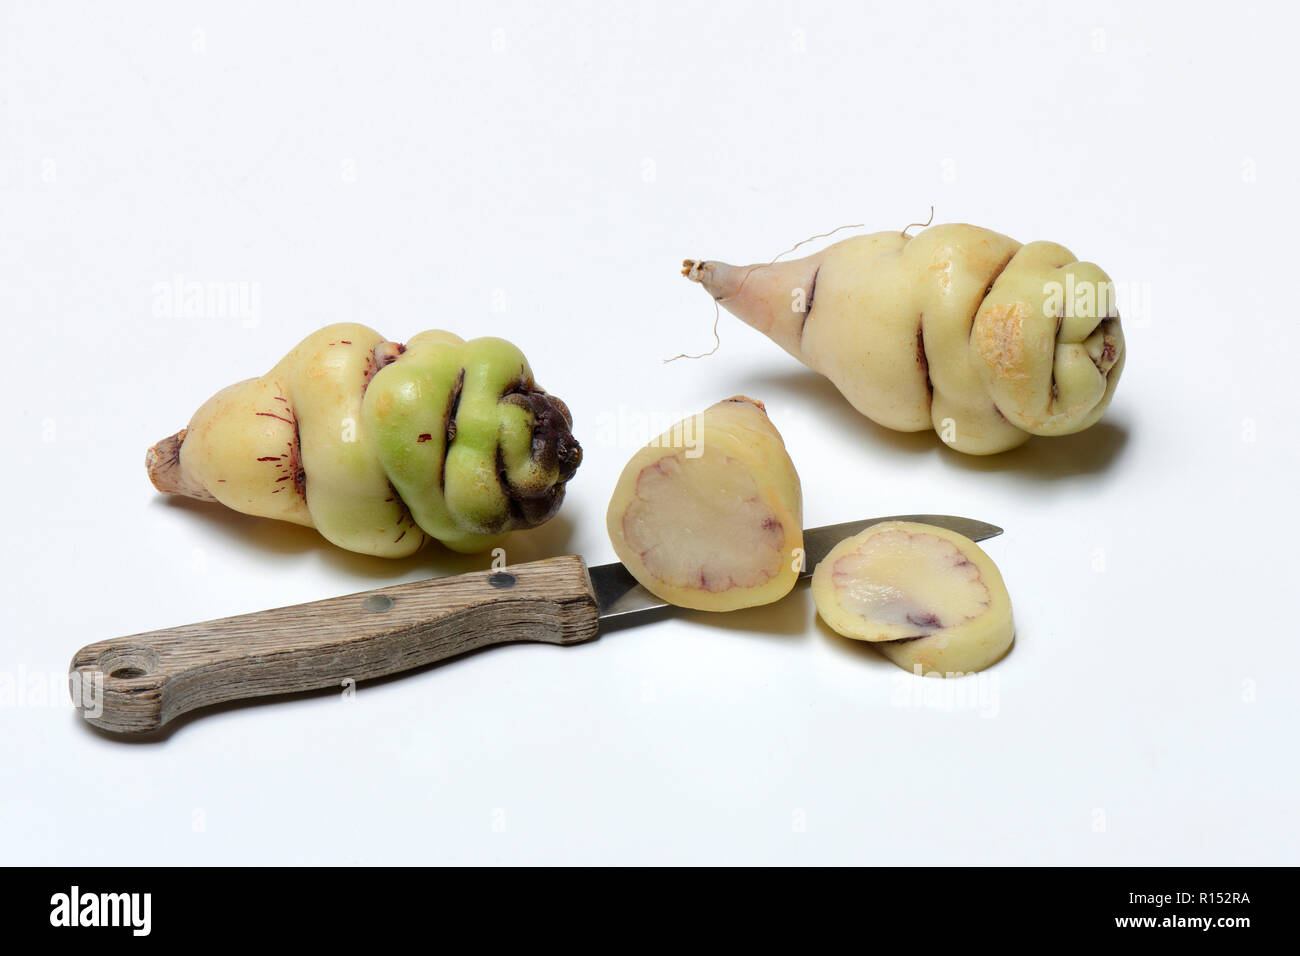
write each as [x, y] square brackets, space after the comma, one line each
[381, 446]
[958, 328]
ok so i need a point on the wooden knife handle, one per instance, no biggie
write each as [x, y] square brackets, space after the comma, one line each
[136, 684]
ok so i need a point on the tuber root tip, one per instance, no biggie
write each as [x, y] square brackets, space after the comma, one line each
[163, 463]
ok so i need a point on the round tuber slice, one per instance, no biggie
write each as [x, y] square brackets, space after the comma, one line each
[709, 514]
[928, 598]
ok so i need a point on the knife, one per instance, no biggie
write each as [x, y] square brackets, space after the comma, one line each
[136, 684]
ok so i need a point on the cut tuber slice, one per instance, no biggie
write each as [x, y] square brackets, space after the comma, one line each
[928, 598]
[709, 514]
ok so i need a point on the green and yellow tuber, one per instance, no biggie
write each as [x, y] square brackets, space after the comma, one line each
[958, 328]
[381, 446]
[709, 514]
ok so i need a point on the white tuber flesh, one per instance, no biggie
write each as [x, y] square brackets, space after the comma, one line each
[928, 598]
[684, 553]
[709, 515]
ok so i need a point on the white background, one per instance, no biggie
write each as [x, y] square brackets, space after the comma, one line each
[493, 168]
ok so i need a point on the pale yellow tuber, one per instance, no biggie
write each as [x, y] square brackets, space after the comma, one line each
[927, 598]
[709, 514]
[958, 328]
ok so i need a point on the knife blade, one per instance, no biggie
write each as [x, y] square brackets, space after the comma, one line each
[136, 684]
[619, 596]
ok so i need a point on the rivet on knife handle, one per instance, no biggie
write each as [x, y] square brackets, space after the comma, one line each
[137, 684]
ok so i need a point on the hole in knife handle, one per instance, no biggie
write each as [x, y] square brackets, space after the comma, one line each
[502, 580]
[377, 603]
[128, 663]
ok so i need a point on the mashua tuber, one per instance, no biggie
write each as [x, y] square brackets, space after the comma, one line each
[381, 446]
[959, 328]
[709, 514]
[927, 598]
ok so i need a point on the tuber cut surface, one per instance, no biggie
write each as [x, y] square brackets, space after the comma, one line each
[709, 514]
[927, 598]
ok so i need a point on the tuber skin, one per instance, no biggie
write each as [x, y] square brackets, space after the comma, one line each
[958, 328]
[381, 446]
[927, 598]
[709, 515]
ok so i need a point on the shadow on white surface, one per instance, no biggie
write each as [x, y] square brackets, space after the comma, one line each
[786, 618]
[865, 651]
[1091, 451]
[1088, 452]
[859, 652]
[266, 536]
